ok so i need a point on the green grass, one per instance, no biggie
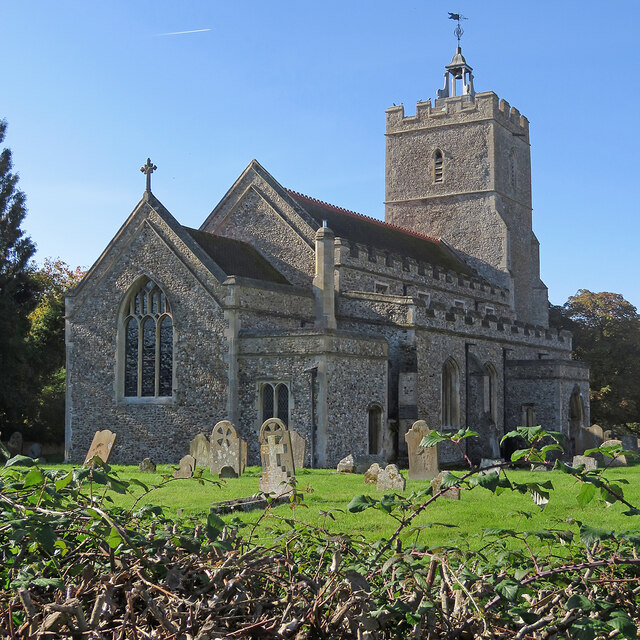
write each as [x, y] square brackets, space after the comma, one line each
[477, 510]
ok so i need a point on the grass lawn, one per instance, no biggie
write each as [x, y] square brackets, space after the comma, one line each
[477, 510]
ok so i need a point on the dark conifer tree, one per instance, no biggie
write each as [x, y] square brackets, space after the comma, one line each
[17, 296]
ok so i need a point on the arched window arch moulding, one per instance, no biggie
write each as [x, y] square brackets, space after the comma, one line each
[145, 362]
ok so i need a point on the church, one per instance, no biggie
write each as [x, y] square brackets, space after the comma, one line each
[345, 327]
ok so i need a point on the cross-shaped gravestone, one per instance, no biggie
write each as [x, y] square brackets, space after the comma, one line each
[277, 459]
[148, 169]
[274, 449]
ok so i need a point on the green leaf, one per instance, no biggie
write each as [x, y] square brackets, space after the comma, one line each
[586, 494]
[137, 483]
[58, 583]
[621, 621]
[449, 480]
[611, 493]
[589, 535]
[433, 438]
[64, 481]
[34, 477]
[508, 589]
[585, 628]
[46, 536]
[360, 503]
[22, 461]
[114, 539]
[577, 601]
[215, 525]
[518, 454]
[489, 481]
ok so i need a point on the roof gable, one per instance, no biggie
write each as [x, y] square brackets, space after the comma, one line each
[236, 258]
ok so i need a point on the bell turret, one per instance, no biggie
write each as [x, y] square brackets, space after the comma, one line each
[457, 70]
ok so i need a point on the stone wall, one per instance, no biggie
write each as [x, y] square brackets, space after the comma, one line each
[160, 428]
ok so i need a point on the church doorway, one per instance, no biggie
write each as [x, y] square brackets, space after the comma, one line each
[375, 429]
[576, 419]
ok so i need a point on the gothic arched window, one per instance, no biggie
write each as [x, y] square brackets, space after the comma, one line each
[148, 343]
[438, 166]
[274, 398]
[450, 394]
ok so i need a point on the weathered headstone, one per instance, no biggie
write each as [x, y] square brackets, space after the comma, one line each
[371, 474]
[453, 493]
[101, 445]
[147, 466]
[620, 461]
[357, 463]
[597, 431]
[590, 464]
[199, 449]
[277, 458]
[345, 465]
[298, 448]
[226, 451]
[186, 468]
[489, 465]
[629, 442]
[390, 479]
[34, 450]
[423, 461]
[15, 443]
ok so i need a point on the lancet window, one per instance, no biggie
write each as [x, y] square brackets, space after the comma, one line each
[148, 343]
[450, 394]
[438, 166]
[274, 397]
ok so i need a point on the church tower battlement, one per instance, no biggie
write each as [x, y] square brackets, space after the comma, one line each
[460, 170]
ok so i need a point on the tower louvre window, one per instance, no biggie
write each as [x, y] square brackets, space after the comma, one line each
[438, 166]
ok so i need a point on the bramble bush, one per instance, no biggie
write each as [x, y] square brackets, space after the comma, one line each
[74, 565]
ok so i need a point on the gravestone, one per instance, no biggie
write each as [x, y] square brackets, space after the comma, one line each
[186, 468]
[277, 458]
[590, 464]
[15, 443]
[147, 466]
[620, 461]
[453, 493]
[101, 445]
[390, 479]
[629, 442]
[357, 463]
[298, 448]
[597, 431]
[371, 474]
[199, 449]
[35, 450]
[423, 461]
[488, 465]
[227, 452]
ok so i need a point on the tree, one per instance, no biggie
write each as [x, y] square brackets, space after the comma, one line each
[606, 334]
[46, 350]
[17, 294]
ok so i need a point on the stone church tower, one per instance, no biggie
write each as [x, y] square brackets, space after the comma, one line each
[460, 170]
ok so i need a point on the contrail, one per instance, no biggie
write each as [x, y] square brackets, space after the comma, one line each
[179, 33]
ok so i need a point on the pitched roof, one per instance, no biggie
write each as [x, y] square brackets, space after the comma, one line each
[236, 258]
[370, 231]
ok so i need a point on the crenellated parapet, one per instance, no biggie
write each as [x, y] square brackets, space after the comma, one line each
[361, 266]
[457, 110]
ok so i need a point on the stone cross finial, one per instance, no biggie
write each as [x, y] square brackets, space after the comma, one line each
[148, 169]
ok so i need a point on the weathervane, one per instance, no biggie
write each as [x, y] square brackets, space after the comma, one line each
[458, 31]
[148, 169]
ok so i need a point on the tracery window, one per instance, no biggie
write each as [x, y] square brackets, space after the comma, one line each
[274, 397]
[148, 343]
[438, 166]
[450, 394]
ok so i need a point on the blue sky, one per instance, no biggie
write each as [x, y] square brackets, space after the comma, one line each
[90, 89]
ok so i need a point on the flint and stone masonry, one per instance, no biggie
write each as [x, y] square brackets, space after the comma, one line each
[346, 328]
